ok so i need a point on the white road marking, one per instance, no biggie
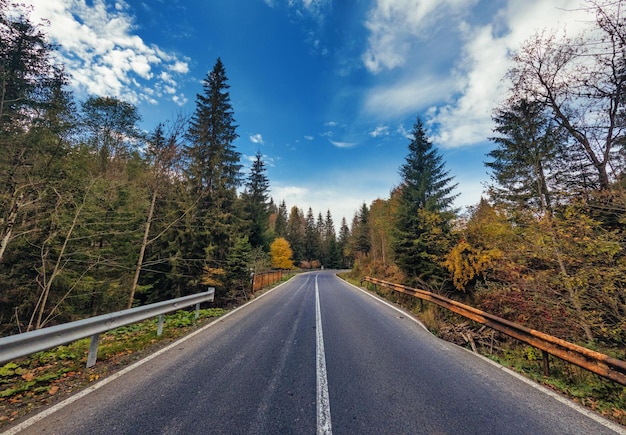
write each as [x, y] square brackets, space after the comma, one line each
[323, 402]
[581, 409]
[49, 411]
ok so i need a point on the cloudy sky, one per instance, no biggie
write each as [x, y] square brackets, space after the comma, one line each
[326, 90]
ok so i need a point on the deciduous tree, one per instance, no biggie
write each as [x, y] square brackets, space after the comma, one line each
[581, 80]
[281, 254]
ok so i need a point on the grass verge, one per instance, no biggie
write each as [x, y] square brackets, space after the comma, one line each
[47, 377]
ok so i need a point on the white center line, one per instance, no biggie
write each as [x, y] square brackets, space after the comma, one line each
[323, 402]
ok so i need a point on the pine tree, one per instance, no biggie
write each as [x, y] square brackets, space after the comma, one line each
[422, 224]
[320, 225]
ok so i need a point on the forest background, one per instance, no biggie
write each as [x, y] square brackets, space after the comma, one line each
[97, 215]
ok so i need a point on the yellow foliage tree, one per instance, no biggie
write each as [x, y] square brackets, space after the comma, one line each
[213, 276]
[465, 262]
[482, 246]
[281, 254]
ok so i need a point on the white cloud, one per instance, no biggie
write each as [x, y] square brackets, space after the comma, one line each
[394, 26]
[351, 187]
[461, 94]
[467, 120]
[102, 52]
[180, 67]
[180, 100]
[257, 138]
[316, 9]
[343, 144]
[381, 130]
[309, 137]
[417, 92]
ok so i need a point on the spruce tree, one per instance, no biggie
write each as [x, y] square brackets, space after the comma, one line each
[311, 237]
[256, 204]
[331, 247]
[525, 164]
[238, 273]
[424, 214]
[296, 234]
[213, 174]
[280, 225]
[361, 243]
[342, 244]
[35, 117]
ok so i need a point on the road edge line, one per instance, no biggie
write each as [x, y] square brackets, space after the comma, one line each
[79, 395]
[617, 428]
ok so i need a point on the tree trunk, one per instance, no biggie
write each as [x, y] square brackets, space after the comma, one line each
[47, 284]
[142, 251]
[573, 296]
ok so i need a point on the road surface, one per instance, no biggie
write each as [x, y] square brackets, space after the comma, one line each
[316, 355]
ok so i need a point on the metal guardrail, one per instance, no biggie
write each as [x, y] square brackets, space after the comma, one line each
[19, 345]
[596, 362]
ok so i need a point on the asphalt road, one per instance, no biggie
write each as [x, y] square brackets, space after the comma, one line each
[316, 355]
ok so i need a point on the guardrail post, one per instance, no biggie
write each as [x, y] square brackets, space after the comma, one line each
[93, 350]
[160, 327]
[546, 363]
[197, 311]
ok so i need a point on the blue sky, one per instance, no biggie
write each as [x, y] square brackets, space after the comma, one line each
[327, 90]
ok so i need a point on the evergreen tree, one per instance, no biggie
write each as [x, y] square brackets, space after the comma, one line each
[295, 234]
[361, 243]
[331, 247]
[26, 68]
[422, 230]
[526, 162]
[321, 234]
[342, 244]
[213, 174]
[311, 237]
[280, 225]
[256, 203]
[238, 273]
[35, 118]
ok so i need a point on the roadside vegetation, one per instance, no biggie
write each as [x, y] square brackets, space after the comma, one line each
[592, 391]
[47, 377]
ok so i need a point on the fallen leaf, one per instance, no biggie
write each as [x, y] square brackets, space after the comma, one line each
[28, 376]
[53, 390]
